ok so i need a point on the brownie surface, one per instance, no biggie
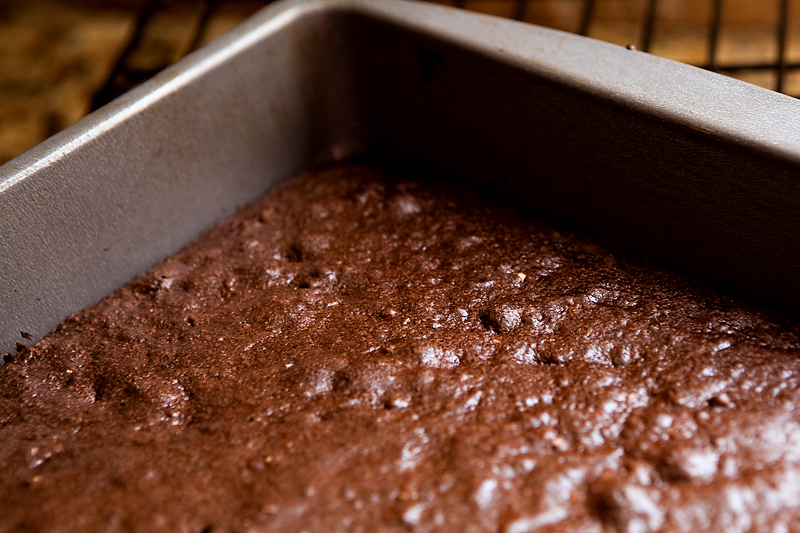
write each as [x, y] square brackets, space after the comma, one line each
[357, 351]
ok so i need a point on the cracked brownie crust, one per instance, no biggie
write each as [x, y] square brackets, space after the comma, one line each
[361, 352]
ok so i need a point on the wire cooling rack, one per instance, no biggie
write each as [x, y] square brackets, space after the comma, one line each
[754, 40]
[648, 21]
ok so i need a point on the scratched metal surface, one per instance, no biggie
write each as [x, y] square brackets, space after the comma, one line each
[673, 160]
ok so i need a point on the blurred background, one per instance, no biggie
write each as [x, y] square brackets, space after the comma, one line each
[60, 59]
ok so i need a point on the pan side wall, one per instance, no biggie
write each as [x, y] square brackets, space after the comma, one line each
[707, 206]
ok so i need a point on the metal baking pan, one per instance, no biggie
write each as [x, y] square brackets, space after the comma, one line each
[697, 169]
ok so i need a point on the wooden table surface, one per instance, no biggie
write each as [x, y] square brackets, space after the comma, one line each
[57, 54]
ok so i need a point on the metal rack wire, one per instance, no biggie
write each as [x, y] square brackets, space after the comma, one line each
[780, 66]
[124, 75]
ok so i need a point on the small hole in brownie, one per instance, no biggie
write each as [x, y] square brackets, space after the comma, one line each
[294, 254]
[101, 386]
[601, 504]
[207, 529]
[190, 321]
[721, 400]
[307, 280]
[486, 320]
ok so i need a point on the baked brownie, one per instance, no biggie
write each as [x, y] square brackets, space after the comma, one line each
[361, 352]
